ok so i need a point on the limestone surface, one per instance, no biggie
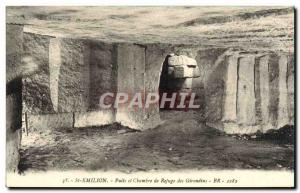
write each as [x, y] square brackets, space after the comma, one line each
[240, 63]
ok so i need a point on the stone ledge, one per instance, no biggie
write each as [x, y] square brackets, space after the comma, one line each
[61, 120]
[49, 121]
[94, 118]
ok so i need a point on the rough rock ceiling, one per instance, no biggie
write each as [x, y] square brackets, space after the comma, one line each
[250, 28]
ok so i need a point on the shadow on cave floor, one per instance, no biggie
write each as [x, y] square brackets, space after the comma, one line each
[180, 143]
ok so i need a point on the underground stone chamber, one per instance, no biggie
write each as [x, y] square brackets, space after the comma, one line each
[243, 79]
[238, 91]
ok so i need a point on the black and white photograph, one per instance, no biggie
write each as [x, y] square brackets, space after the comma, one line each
[150, 96]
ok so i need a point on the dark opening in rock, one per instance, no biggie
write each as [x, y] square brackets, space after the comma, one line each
[176, 78]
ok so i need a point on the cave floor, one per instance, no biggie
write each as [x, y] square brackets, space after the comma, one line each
[180, 143]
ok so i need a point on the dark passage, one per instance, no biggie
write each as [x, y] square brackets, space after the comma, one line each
[170, 85]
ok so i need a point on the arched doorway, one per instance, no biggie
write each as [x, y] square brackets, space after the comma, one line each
[176, 81]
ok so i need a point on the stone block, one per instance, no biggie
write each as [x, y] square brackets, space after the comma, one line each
[283, 117]
[208, 60]
[13, 141]
[94, 118]
[54, 68]
[230, 114]
[14, 50]
[103, 71]
[214, 94]
[182, 60]
[81, 71]
[36, 88]
[183, 72]
[273, 89]
[245, 91]
[290, 88]
[13, 129]
[264, 92]
[258, 114]
[74, 76]
[49, 121]
[131, 71]
[155, 58]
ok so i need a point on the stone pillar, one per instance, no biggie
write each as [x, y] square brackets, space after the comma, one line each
[14, 51]
[290, 89]
[74, 76]
[155, 57]
[264, 88]
[54, 68]
[229, 117]
[102, 67]
[36, 90]
[257, 92]
[274, 89]
[264, 92]
[231, 90]
[13, 124]
[215, 93]
[131, 72]
[245, 92]
[103, 71]
[283, 117]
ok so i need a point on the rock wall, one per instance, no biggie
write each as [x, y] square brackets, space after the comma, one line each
[250, 92]
[73, 74]
[155, 56]
[73, 82]
[139, 71]
[238, 91]
[103, 71]
[14, 51]
[36, 92]
[131, 80]
[209, 86]
[215, 93]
